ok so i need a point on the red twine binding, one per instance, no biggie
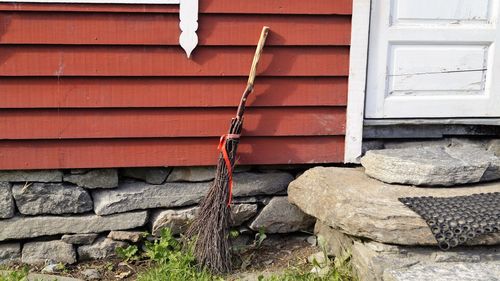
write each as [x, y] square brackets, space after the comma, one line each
[222, 149]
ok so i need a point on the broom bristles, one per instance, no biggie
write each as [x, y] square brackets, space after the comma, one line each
[211, 226]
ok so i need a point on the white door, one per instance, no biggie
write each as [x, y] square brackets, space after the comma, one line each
[434, 58]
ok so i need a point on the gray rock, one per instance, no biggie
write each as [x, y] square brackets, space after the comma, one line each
[252, 200]
[29, 227]
[31, 176]
[250, 184]
[178, 220]
[51, 198]
[10, 252]
[494, 147]
[102, 248]
[240, 213]
[279, 216]
[152, 175]
[312, 240]
[416, 144]
[54, 251]
[91, 274]
[139, 195]
[191, 174]
[446, 272]
[319, 258]
[358, 205]
[373, 261]
[100, 178]
[433, 165]
[6, 201]
[333, 241]
[79, 239]
[130, 236]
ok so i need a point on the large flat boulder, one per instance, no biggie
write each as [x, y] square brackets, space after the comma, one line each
[29, 227]
[373, 261]
[433, 165]
[51, 198]
[348, 200]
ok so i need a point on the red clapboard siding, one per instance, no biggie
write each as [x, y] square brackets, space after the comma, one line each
[49, 154]
[170, 61]
[103, 85]
[66, 92]
[163, 29]
[136, 123]
[206, 6]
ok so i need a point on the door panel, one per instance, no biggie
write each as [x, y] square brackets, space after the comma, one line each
[434, 59]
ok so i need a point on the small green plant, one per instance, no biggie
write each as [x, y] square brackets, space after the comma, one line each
[161, 250]
[174, 261]
[260, 237]
[130, 253]
[233, 234]
[16, 275]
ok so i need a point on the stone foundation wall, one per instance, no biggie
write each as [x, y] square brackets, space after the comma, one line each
[74, 215]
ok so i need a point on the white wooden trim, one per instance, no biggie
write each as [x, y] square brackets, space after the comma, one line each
[357, 80]
[188, 14]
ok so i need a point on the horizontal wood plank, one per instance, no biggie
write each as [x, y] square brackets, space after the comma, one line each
[163, 29]
[22, 60]
[67, 92]
[139, 123]
[206, 6]
[103, 153]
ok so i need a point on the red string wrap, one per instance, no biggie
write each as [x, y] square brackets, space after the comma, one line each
[222, 149]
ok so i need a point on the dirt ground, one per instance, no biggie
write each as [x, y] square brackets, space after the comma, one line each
[276, 254]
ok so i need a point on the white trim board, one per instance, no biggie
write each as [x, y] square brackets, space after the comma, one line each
[357, 80]
[188, 15]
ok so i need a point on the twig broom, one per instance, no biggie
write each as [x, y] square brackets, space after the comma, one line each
[211, 226]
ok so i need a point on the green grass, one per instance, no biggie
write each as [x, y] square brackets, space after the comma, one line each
[14, 275]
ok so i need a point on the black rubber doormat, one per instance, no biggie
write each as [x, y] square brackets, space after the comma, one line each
[456, 220]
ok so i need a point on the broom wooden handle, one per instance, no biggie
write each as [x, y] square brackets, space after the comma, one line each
[253, 71]
[258, 52]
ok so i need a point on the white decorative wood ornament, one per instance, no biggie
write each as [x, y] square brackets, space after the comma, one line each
[188, 14]
[189, 24]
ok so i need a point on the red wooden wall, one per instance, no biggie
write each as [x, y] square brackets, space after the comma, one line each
[108, 85]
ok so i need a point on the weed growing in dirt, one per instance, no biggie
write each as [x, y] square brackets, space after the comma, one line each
[173, 262]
